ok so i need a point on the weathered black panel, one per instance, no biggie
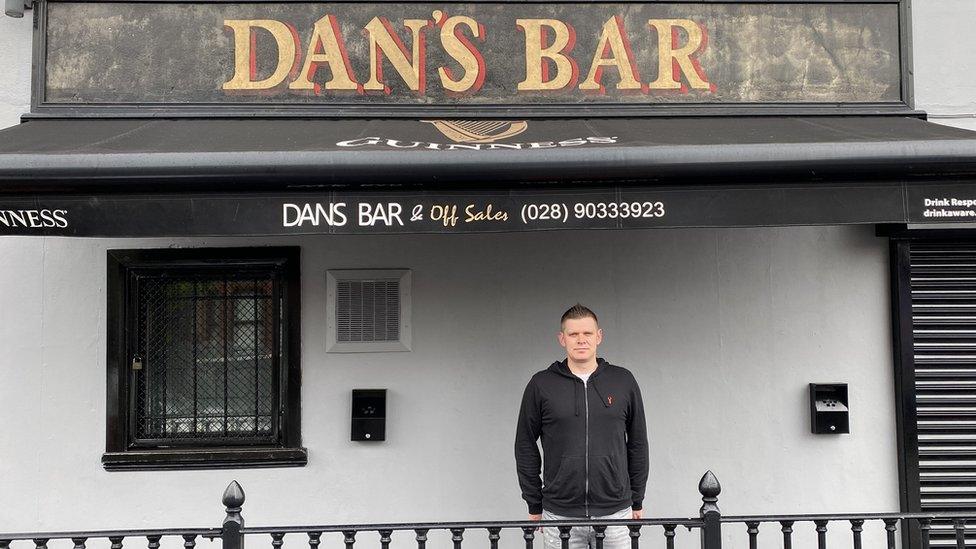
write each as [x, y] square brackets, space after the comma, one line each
[178, 54]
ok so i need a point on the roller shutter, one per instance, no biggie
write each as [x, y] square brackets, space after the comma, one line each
[943, 323]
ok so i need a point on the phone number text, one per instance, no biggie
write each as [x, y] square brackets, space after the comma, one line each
[562, 213]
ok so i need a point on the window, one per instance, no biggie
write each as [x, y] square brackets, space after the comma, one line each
[203, 360]
[369, 310]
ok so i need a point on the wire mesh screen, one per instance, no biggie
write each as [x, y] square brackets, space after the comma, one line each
[207, 345]
[368, 310]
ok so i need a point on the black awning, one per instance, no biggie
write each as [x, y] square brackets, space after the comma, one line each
[129, 155]
[124, 177]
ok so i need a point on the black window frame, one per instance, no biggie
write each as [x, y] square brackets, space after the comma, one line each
[122, 452]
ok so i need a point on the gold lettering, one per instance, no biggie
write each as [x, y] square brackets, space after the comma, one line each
[537, 53]
[488, 214]
[383, 40]
[673, 61]
[446, 214]
[245, 58]
[326, 46]
[464, 52]
[613, 41]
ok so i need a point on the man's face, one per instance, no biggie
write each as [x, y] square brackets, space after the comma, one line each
[580, 337]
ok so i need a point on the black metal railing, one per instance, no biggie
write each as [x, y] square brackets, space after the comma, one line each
[117, 538]
[930, 529]
[927, 530]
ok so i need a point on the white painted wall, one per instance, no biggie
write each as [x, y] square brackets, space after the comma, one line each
[723, 329]
[15, 66]
[945, 69]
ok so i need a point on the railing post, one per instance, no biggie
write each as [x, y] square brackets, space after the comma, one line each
[924, 528]
[231, 535]
[711, 533]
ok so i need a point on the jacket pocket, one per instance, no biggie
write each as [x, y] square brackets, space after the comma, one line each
[567, 486]
[609, 483]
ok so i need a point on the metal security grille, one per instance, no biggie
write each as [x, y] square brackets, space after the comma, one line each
[368, 310]
[207, 360]
[943, 299]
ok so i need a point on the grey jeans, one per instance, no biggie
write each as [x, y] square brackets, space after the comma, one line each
[584, 537]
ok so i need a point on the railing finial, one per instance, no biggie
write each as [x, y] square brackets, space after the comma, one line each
[233, 496]
[709, 487]
[231, 535]
[711, 532]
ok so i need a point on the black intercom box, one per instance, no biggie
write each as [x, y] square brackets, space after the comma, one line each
[829, 408]
[368, 414]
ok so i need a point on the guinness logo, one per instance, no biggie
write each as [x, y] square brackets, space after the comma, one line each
[479, 131]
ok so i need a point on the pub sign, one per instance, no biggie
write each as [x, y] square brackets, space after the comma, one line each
[480, 54]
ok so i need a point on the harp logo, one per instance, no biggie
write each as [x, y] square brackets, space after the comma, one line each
[479, 131]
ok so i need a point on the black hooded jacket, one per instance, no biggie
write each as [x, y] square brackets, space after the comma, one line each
[594, 439]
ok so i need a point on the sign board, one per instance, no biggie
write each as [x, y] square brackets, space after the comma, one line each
[474, 212]
[272, 57]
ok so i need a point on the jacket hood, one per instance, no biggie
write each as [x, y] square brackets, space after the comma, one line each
[562, 368]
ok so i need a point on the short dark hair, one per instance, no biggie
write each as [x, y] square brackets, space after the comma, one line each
[578, 311]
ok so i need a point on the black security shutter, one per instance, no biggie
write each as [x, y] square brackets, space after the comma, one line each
[205, 341]
[942, 456]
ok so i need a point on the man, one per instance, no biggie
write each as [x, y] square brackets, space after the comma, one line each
[590, 416]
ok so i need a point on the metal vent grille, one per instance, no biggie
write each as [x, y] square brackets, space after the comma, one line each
[367, 310]
[943, 289]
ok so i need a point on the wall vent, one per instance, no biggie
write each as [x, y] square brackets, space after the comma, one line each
[369, 310]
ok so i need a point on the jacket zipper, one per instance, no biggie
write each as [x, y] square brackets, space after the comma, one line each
[586, 459]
